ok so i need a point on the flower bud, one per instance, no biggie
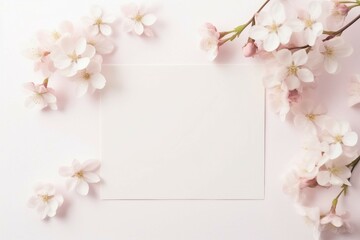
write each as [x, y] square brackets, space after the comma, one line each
[249, 50]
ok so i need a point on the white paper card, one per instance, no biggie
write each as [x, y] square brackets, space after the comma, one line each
[182, 132]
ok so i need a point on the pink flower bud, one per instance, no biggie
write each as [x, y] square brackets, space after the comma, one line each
[249, 50]
[294, 96]
[342, 9]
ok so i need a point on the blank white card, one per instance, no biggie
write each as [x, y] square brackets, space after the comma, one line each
[182, 132]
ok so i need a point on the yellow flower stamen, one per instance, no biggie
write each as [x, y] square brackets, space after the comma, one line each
[45, 198]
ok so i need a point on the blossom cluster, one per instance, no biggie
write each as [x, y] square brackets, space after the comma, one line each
[46, 200]
[297, 50]
[76, 52]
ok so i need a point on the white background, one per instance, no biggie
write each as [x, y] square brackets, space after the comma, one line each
[33, 145]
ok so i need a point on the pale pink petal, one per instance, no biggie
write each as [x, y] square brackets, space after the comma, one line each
[89, 51]
[335, 150]
[93, 67]
[148, 19]
[80, 46]
[315, 10]
[90, 165]
[82, 88]
[300, 57]
[82, 63]
[344, 51]
[344, 173]
[128, 25]
[350, 139]
[82, 188]
[292, 82]
[258, 32]
[323, 178]
[108, 18]
[91, 177]
[284, 33]
[130, 10]
[93, 30]
[96, 11]
[105, 46]
[325, 220]
[98, 81]
[30, 86]
[138, 28]
[277, 12]
[61, 61]
[264, 19]
[317, 28]
[67, 44]
[305, 75]
[284, 57]
[337, 222]
[49, 98]
[271, 42]
[53, 206]
[330, 64]
[105, 29]
[336, 181]
[71, 183]
[66, 171]
[43, 210]
[296, 25]
[59, 199]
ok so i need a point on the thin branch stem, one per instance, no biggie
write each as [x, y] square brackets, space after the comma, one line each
[344, 187]
[341, 30]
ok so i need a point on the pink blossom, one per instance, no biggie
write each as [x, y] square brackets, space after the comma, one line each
[210, 40]
[249, 50]
[137, 20]
[337, 17]
[40, 96]
[71, 55]
[46, 200]
[80, 175]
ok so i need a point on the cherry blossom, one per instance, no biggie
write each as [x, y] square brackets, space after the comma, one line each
[312, 27]
[337, 17]
[335, 219]
[293, 184]
[72, 55]
[137, 20]
[102, 45]
[334, 172]
[312, 217]
[271, 28]
[40, 96]
[292, 68]
[210, 40]
[332, 50]
[98, 22]
[46, 200]
[50, 38]
[39, 53]
[90, 77]
[339, 135]
[354, 91]
[80, 175]
[308, 116]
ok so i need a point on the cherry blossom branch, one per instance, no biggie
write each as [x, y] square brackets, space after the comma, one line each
[341, 30]
[237, 31]
[344, 189]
